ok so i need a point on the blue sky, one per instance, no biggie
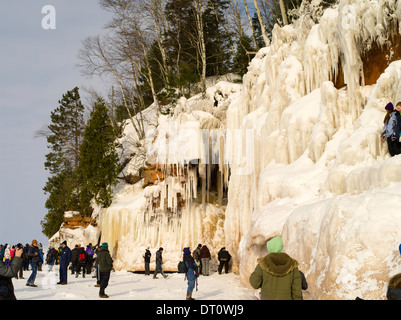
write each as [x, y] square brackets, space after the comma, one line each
[37, 67]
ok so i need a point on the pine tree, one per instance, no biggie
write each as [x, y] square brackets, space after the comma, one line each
[243, 56]
[64, 137]
[98, 167]
[217, 40]
[66, 132]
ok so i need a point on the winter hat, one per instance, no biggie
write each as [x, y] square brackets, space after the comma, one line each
[64, 242]
[389, 107]
[105, 245]
[186, 250]
[34, 242]
[275, 245]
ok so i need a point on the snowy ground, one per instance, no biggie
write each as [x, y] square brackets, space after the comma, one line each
[125, 285]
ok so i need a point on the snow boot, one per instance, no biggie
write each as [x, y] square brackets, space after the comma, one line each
[189, 296]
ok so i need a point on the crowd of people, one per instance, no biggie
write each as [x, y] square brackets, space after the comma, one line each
[193, 264]
[14, 260]
[276, 274]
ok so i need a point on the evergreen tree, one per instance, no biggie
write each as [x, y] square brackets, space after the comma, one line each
[98, 167]
[66, 132]
[64, 138]
[182, 54]
[62, 197]
[217, 41]
[243, 57]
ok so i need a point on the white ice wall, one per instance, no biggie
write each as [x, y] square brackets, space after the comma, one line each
[322, 179]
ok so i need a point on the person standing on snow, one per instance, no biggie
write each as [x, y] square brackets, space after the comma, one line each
[82, 260]
[51, 257]
[105, 265]
[25, 258]
[205, 258]
[391, 130]
[159, 262]
[34, 258]
[65, 260]
[74, 259]
[224, 258]
[277, 274]
[89, 263]
[6, 275]
[192, 272]
[7, 255]
[146, 257]
[196, 255]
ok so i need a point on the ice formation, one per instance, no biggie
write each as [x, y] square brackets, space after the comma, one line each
[284, 153]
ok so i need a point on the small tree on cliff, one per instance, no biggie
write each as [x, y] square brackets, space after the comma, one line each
[98, 162]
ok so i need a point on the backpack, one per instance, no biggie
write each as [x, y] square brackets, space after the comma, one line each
[82, 257]
[182, 267]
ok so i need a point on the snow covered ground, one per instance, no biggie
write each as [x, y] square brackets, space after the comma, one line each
[125, 285]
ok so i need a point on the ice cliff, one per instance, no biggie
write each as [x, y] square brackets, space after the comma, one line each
[284, 153]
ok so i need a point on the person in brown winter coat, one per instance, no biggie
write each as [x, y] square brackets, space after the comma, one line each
[205, 258]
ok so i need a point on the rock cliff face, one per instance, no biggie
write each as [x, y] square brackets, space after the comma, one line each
[76, 220]
[77, 229]
[375, 61]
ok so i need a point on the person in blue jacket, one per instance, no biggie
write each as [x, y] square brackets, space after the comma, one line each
[391, 130]
[192, 272]
[65, 259]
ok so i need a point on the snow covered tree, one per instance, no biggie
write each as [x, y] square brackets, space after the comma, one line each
[98, 167]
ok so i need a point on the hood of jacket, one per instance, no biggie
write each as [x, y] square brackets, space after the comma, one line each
[278, 264]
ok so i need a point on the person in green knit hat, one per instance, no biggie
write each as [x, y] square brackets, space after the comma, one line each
[105, 265]
[277, 274]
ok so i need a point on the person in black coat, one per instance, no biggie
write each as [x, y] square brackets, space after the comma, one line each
[159, 262]
[6, 275]
[146, 257]
[82, 260]
[74, 259]
[224, 257]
